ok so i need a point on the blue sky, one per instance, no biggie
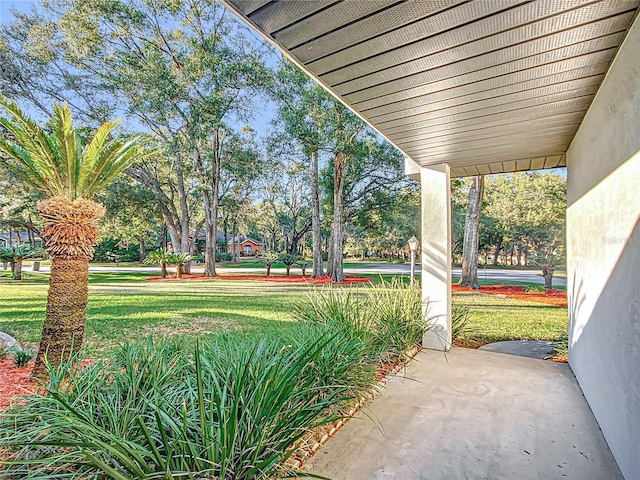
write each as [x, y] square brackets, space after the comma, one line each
[7, 5]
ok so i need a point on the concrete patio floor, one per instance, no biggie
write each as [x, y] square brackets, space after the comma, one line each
[472, 414]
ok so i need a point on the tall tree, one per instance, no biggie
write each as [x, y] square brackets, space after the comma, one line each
[184, 69]
[69, 173]
[303, 106]
[469, 277]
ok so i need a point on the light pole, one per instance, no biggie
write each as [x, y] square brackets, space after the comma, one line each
[413, 246]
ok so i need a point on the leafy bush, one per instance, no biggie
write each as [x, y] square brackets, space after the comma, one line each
[198, 258]
[387, 316]
[106, 250]
[22, 356]
[460, 318]
[232, 408]
[224, 257]
[4, 353]
[228, 410]
[535, 289]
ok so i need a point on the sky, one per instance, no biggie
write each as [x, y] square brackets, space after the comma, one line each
[7, 5]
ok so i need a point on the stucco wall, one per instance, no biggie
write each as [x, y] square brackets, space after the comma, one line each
[603, 247]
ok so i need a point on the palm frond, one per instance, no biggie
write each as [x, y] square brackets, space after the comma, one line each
[69, 146]
[115, 157]
[35, 143]
[59, 163]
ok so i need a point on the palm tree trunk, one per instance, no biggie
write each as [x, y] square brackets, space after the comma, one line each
[17, 269]
[63, 330]
[70, 234]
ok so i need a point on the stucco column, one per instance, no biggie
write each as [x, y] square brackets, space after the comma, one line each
[436, 254]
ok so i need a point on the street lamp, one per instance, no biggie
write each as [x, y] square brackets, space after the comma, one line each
[413, 246]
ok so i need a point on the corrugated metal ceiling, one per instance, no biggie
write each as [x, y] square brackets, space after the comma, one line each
[488, 86]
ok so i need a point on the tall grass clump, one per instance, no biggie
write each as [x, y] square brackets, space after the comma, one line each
[387, 317]
[226, 409]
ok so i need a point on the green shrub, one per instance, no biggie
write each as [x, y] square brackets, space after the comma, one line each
[223, 257]
[388, 316]
[22, 356]
[535, 289]
[460, 318]
[229, 410]
[4, 353]
[106, 250]
[198, 258]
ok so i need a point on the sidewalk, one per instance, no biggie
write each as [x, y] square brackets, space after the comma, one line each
[471, 414]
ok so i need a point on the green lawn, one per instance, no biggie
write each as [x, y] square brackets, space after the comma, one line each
[123, 306]
[495, 319]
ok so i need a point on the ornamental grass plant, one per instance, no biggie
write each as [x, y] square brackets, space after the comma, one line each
[235, 407]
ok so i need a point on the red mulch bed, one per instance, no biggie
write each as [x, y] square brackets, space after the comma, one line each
[263, 278]
[556, 298]
[14, 381]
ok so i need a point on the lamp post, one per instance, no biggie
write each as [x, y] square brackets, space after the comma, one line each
[413, 246]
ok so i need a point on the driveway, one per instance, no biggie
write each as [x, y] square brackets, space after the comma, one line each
[470, 414]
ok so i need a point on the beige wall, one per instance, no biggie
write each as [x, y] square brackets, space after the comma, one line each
[603, 247]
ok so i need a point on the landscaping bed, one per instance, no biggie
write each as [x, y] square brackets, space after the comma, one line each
[556, 298]
[239, 405]
[14, 381]
[348, 280]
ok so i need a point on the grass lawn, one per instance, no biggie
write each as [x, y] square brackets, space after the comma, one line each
[495, 319]
[123, 306]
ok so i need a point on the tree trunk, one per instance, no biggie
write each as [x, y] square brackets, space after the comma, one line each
[268, 269]
[142, 249]
[71, 247]
[63, 330]
[288, 267]
[236, 243]
[16, 269]
[337, 272]
[179, 269]
[496, 256]
[211, 228]
[184, 211]
[316, 230]
[469, 277]
[163, 269]
[547, 273]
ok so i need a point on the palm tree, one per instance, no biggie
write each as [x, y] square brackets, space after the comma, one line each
[16, 255]
[69, 172]
[159, 257]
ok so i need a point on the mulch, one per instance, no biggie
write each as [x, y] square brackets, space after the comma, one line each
[349, 280]
[14, 381]
[557, 298]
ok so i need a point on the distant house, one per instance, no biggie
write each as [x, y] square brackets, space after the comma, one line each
[244, 246]
[249, 247]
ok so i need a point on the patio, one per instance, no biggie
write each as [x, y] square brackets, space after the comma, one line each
[475, 415]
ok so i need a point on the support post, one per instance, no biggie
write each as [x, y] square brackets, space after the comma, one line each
[436, 254]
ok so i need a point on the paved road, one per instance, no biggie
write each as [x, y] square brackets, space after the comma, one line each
[492, 274]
